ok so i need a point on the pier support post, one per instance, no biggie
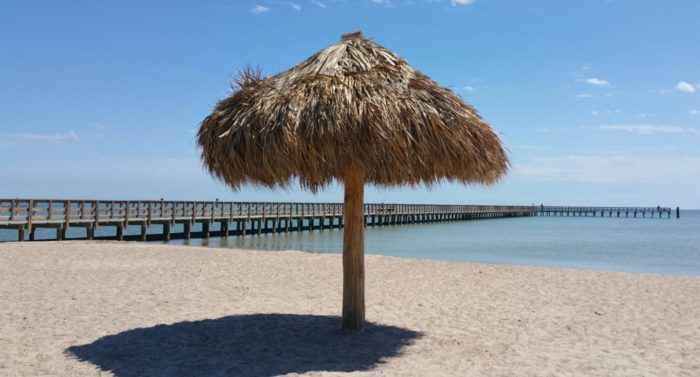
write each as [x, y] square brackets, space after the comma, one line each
[120, 232]
[20, 233]
[224, 229]
[32, 233]
[166, 231]
[205, 229]
[678, 212]
[90, 232]
[187, 229]
[144, 232]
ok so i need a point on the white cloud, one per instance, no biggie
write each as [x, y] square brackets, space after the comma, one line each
[597, 82]
[684, 87]
[468, 89]
[648, 129]
[318, 3]
[55, 138]
[462, 2]
[386, 3]
[594, 112]
[295, 6]
[611, 168]
[259, 9]
[694, 112]
[584, 95]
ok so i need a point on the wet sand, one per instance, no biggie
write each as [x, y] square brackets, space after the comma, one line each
[142, 309]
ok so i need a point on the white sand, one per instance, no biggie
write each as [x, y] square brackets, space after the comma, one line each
[98, 308]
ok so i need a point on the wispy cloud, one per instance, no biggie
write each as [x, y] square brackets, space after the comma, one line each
[584, 96]
[597, 82]
[386, 3]
[468, 89]
[684, 87]
[462, 2]
[318, 3]
[694, 112]
[648, 129]
[611, 168]
[295, 6]
[260, 9]
[54, 138]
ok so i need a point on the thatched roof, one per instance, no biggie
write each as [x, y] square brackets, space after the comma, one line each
[354, 104]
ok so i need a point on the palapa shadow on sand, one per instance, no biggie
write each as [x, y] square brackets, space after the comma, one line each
[244, 345]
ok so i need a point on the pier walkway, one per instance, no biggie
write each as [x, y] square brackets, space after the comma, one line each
[244, 218]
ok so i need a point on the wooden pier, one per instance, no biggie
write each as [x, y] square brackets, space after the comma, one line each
[642, 212]
[230, 218]
[223, 219]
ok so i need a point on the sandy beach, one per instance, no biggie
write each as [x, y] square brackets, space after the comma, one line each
[143, 309]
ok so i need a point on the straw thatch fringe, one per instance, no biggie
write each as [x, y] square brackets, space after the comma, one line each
[354, 104]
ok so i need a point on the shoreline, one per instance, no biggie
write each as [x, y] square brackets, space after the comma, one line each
[69, 306]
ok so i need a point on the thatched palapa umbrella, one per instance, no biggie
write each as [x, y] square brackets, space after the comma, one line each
[355, 113]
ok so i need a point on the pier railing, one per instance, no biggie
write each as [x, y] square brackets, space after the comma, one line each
[606, 211]
[75, 211]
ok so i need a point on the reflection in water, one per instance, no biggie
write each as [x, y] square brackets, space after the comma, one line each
[326, 241]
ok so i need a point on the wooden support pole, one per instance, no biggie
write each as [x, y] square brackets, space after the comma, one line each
[20, 233]
[144, 232]
[90, 231]
[678, 212]
[166, 231]
[244, 223]
[120, 232]
[224, 229]
[354, 252]
[32, 233]
[205, 229]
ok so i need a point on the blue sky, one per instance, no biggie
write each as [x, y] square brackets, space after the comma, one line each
[598, 101]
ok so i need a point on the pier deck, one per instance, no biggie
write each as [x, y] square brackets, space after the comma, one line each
[243, 218]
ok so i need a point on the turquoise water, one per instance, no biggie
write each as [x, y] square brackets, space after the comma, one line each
[667, 246]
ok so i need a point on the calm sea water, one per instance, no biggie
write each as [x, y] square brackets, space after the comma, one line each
[667, 246]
